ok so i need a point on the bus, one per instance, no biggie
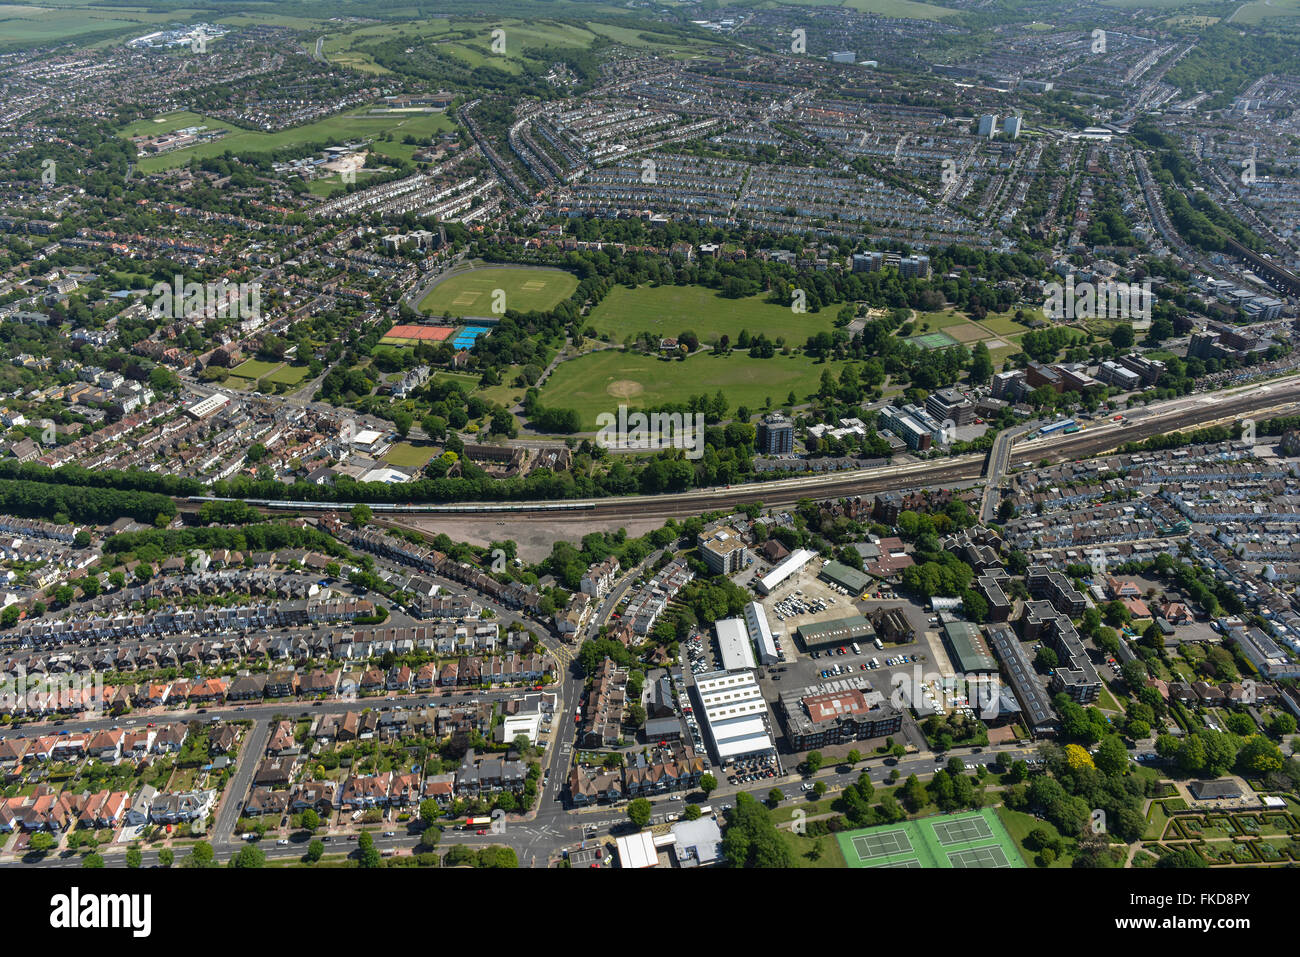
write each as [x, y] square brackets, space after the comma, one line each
[472, 823]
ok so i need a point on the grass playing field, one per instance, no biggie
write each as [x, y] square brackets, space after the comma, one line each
[289, 374]
[254, 369]
[332, 131]
[471, 293]
[409, 455]
[977, 839]
[25, 25]
[598, 382]
[670, 310]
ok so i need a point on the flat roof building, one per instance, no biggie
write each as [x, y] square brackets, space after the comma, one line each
[760, 633]
[723, 550]
[733, 644]
[637, 850]
[836, 712]
[1035, 705]
[735, 715]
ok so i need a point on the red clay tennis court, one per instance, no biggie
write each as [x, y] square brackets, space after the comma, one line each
[420, 333]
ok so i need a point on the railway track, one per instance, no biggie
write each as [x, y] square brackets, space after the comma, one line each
[1278, 398]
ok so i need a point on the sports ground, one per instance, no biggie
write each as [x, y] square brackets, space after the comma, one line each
[977, 839]
[471, 293]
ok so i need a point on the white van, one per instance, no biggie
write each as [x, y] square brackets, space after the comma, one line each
[856, 649]
[880, 645]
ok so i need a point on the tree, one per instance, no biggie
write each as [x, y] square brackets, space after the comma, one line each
[819, 788]
[692, 812]
[1122, 337]
[166, 857]
[854, 756]
[1111, 756]
[361, 515]
[201, 856]
[310, 820]
[774, 797]
[367, 852]
[92, 860]
[248, 856]
[914, 794]
[708, 784]
[751, 839]
[1077, 757]
[638, 812]
[402, 421]
[429, 812]
[133, 857]
[41, 842]
[814, 761]
[431, 836]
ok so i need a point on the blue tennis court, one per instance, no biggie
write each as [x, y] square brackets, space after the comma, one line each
[466, 338]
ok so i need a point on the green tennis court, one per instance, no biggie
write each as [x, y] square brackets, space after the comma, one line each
[882, 844]
[971, 839]
[959, 832]
[979, 857]
[933, 340]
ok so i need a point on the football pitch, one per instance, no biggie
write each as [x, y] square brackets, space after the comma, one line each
[472, 293]
[976, 839]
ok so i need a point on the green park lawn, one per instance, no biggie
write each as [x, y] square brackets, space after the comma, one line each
[599, 381]
[670, 310]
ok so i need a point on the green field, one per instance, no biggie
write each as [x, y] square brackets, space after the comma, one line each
[900, 9]
[254, 369]
[670, 310]
[25, 25]
[1254, 13]
[599, 381]
[471, 293]
[977, 839]
[331, 131]
[468, 41]
[289, 374]
[406, 455]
